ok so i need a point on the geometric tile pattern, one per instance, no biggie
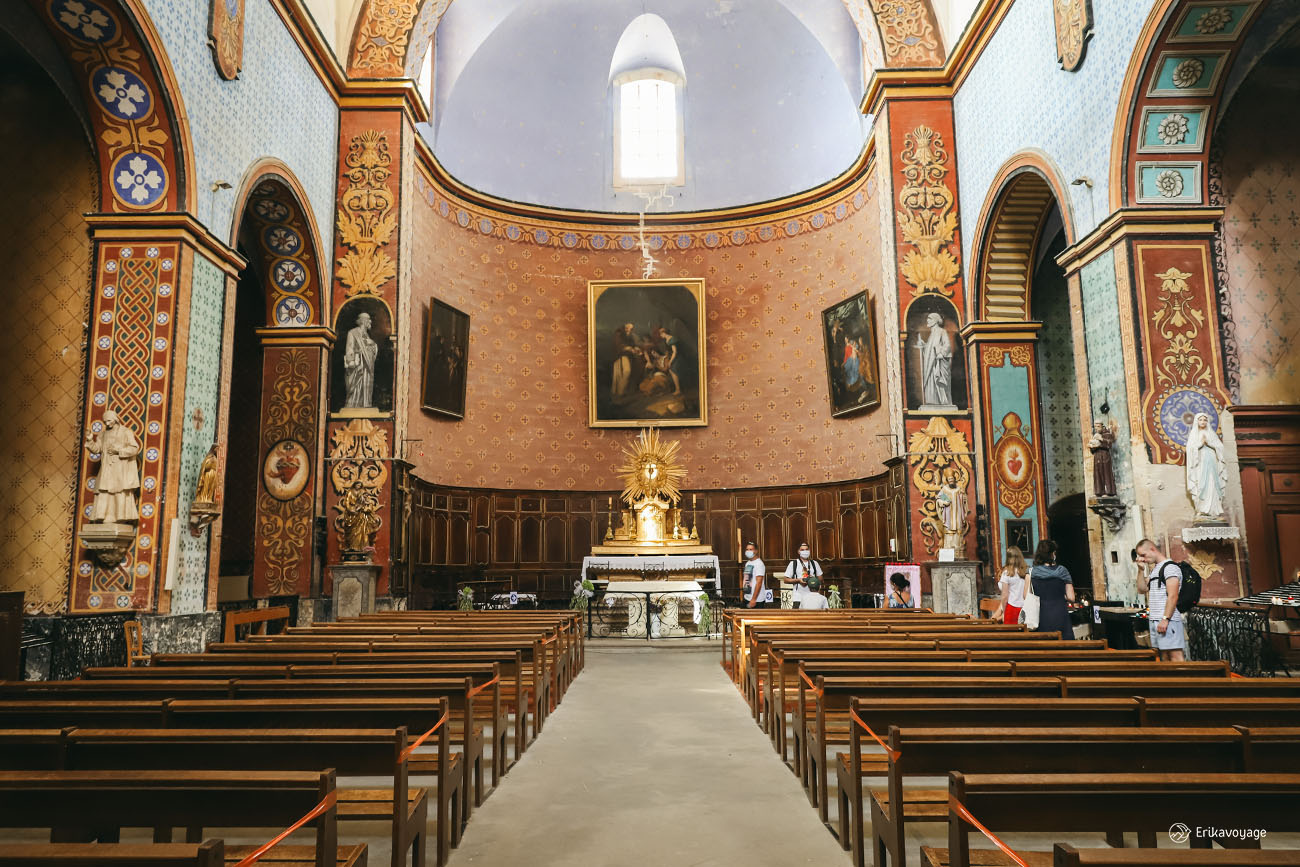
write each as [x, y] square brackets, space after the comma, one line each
[1058, 389]
[202, 378]
[43, 356]
[525, 422]
[1106, 382]
[276, 108]
[1018, 70]
[1261, 234]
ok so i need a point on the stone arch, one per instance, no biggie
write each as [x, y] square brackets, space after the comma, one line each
[1171, 96]
[288, 243]
[138, 121]
[1021, 198]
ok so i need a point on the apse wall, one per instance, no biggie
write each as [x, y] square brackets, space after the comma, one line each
[523, 283]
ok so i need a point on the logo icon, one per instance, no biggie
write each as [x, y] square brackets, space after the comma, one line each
[1178, 832]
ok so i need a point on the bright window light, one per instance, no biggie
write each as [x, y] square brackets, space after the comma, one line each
[648, 130]
[425, 84]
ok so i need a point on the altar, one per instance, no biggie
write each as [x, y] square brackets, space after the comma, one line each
[647, 609]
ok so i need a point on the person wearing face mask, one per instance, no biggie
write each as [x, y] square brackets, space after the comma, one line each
[752, 586]
[799, 571]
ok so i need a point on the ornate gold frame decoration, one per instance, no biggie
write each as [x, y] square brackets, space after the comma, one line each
[651, 468]
[226, 37]
[1073, 30]
[366, 221]
[926, 217]
[1016, 490]
[932, 452]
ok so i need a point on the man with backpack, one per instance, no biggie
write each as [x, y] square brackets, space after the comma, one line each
[1168, 595]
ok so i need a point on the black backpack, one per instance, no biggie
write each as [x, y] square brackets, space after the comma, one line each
[1189, 586]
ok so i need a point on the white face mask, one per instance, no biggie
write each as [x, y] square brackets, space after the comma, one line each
[805, 554]
[749, 555]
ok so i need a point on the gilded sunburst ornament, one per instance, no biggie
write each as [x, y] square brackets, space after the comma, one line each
[651, 468]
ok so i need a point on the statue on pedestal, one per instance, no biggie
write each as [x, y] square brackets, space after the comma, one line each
[1103, 466]
[951, 502]
[119, 475]
[1206, 470]
[936, 364]
[359, 365]
[203, 508]
[358, 520]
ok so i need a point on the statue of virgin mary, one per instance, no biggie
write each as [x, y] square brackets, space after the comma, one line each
[1206, 470]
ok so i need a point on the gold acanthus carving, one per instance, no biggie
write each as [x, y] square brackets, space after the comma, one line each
[1073, 29]
[908, 32]
[1179, 322]
[926, 217]
[366, 221]
[994, 356]
[359, 469]
[935, 453]
[382, 38]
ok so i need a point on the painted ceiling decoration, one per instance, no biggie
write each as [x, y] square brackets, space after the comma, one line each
[908, 30]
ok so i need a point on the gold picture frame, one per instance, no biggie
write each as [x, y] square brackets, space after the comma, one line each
[654, 374]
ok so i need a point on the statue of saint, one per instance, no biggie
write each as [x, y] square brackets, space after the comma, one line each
[1103, 466]
[936, 363]
[358, 519]
[1206, 470]
[205, 490]
[119, 476]
[359, 365]
[951, 502]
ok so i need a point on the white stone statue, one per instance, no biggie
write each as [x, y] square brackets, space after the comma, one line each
[951, 503]
[119, 477]
[359, 365]
[936, 363]
[1206, 470]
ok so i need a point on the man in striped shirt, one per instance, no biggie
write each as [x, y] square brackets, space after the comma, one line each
[1161, 588]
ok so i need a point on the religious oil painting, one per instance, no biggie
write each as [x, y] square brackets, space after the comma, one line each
[851, 367]
[645, 353]
[446, 359]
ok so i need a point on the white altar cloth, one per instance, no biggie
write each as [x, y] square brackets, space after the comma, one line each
[654, 587]
[653, 563]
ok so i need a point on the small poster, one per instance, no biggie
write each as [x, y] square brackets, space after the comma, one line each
[913, 573]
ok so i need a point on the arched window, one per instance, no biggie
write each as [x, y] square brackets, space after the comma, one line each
[425, 83]
[647, 82]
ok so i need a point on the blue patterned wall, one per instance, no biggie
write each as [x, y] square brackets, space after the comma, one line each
[276, 108]
[1017, 97]
[1106, 360]
[1058, 392]
[202, 378]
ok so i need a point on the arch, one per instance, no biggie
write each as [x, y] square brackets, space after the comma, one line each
[140, 132]
[1020, 199]
[1170, 97]
[287, 244]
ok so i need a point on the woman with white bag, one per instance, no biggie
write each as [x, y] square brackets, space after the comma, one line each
[1051, 589]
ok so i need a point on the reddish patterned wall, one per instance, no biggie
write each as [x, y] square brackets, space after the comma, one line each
[524, 286]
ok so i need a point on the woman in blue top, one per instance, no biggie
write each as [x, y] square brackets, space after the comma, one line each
[1054, 588]
[901, 597]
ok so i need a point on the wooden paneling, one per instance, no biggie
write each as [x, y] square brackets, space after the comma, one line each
[538, 538]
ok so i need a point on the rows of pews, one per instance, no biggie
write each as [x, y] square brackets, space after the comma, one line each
[283, 731]
[1032, 733]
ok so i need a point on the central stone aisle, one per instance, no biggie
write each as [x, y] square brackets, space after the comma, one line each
[652, 759]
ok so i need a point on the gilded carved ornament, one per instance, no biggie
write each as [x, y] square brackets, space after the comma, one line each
[926, 217]
[908, 33]
[1179, 322]
[1073, 30]
[359, 469]
[366, 221]
[382, 38]
[938, 454]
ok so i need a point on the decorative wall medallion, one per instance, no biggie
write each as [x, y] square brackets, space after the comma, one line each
[286, 469]
[366, 221]
[1073, 30]
[226, 36]
[1175, 411]
[908, 32]
[283, 239]
[1172, 129]
[1169, 184]
[382, 38]
[936, 453]
[1014, 460]
[926, 217]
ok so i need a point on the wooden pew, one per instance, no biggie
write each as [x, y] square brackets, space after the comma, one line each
[1077, 803]
[209, 853]
[97, 804]
[934, 752]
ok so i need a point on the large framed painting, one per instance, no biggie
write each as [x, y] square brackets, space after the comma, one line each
[446, 360]
[852, 370]
[645, 353]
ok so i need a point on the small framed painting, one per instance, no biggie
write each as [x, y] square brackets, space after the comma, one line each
[852, 371]
[645, 353]
[446, 360]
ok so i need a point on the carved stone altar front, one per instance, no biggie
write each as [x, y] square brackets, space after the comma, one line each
[955, 587]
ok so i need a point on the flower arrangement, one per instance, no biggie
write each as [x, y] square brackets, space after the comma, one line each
[833, 599]
[582, 592]
[706, 615]
[465, 599]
